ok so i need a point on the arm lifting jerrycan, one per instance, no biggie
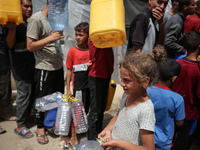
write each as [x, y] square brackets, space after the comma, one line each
[111, 93]
[107, 23]
[10, 11]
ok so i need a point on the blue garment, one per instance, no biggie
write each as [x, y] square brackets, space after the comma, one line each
[168, 106]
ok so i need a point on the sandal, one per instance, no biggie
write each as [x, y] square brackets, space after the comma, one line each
[23, 133]
[2, 130]
[43, 136]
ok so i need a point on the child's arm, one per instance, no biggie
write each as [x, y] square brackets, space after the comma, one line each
[33, 44]
[147, 142]
[69, 74]
[179, 123]
[106, 133]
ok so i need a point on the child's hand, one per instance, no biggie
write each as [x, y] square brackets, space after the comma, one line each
[106, 134]
[69, 92]
[56, 35]
[89, 64]
[11, 25]
[109, 144]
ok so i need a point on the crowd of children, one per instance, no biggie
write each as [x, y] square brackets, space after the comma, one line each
[160, 106]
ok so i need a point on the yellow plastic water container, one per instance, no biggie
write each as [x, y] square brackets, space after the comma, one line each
[10, 11]
[111, 93]
[107, 23]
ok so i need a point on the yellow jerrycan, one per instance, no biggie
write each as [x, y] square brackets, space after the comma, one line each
[111, 93]
[10, 11]
[107, 23]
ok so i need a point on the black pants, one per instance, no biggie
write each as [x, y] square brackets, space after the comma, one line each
[183, 140]
[47, 82]
[98, 101]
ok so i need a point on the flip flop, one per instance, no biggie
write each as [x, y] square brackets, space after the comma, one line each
[23, 133]
[72, 147]
[2, 130]
[43, 136]
[12, 118]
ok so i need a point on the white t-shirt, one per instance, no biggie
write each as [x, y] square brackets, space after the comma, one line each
[131, 120]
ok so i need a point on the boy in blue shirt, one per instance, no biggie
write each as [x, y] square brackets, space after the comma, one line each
[168, 105]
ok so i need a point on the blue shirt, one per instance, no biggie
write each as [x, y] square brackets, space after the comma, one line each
[168, 106]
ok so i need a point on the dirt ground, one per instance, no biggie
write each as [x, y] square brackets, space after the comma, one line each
[10, 141]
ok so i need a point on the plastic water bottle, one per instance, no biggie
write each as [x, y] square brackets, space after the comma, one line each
[48, 102]
[63, 118]
[89, 145]
[79, 116]
[58, 14]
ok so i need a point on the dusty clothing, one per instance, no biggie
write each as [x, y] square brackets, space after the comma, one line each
[174, 30]
[143, 31]
[5, 84]
[131, 120]
[188, 85]
[50, 57]
[192, 23]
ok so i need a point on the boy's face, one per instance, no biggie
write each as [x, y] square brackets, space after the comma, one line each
[191, 8]
[26, 8]
[158, 3]
[81, 38]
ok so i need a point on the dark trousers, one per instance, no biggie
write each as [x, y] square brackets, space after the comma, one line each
[5, 88]
[183, 140]
[85, 98]
[47, 82]
[24, 100]
[98, 101]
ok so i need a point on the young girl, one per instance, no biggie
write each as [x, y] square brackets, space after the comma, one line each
[133, 126]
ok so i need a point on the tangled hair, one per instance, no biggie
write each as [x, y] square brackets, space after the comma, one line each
[142, 65]
[82, 26]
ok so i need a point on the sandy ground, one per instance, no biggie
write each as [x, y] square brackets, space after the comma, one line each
[10, 141]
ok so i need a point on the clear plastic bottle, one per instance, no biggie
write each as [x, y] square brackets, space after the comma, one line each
[58, 14]
[89, 145]
[79, 116]
[63, 118]
[48, 102]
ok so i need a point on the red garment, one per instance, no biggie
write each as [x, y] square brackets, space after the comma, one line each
[76, 57]
[192, 23]
[188, 85]
[102, 61]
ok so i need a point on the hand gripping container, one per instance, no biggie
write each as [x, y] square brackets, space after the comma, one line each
[10, 11]
[107, 23]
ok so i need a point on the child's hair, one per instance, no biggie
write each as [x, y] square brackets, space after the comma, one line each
[23, 0]
[143, 65]
[182, 3]
[168, 69]
[191, 41]
[82, 26]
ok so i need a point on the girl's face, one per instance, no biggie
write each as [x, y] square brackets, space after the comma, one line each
[129, 83]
